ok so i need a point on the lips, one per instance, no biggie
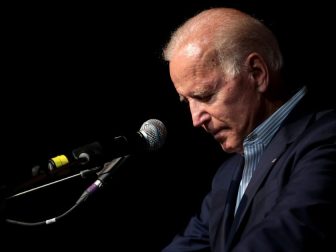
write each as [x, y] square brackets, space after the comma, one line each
[218, 134]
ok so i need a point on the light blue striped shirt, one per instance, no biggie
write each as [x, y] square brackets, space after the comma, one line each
[256, 142]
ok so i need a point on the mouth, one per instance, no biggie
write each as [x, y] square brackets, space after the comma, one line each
[218, 134]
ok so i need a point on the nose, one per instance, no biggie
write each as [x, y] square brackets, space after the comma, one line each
[198, 113]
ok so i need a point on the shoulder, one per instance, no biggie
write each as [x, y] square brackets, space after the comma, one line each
[323, 123]
[308, 118]
[323, 128]
[318, 136]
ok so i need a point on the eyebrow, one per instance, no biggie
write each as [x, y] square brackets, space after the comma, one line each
[203, 92]
[197, 94]
[200, 92]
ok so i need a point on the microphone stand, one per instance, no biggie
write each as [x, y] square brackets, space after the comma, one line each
[109, 169]
[106, 172]
[83, 174]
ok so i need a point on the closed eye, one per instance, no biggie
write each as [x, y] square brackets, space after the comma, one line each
[203, 98]
[206, 97]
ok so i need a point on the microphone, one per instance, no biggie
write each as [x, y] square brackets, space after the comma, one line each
[150, 137]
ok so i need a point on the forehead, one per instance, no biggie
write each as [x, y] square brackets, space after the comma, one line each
[193, 61]
[197, 82]
[191, 49]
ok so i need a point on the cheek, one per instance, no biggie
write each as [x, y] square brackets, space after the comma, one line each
[233, 105]
[229, 96]
[236, 116]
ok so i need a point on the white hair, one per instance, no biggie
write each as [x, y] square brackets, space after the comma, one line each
[232, 34]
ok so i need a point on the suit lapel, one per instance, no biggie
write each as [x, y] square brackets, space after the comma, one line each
[223, 202]
[268, 159]
[273, 152]
[231, 199]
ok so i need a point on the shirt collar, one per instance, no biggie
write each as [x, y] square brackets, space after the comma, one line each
[267, 129]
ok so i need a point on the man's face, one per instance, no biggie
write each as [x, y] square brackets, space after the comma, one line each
[225, 107]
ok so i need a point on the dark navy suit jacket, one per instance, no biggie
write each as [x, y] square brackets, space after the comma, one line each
[290, 202]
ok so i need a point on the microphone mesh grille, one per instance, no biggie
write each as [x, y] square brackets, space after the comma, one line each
[155, 133]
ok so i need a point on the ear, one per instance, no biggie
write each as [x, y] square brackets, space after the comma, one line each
[258, 71]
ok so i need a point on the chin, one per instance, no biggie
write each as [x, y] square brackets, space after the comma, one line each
[230, 149]
[226, 148]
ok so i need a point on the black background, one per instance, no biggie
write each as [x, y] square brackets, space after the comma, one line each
[75, 73]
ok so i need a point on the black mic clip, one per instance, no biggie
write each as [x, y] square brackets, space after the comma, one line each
[109, 169]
